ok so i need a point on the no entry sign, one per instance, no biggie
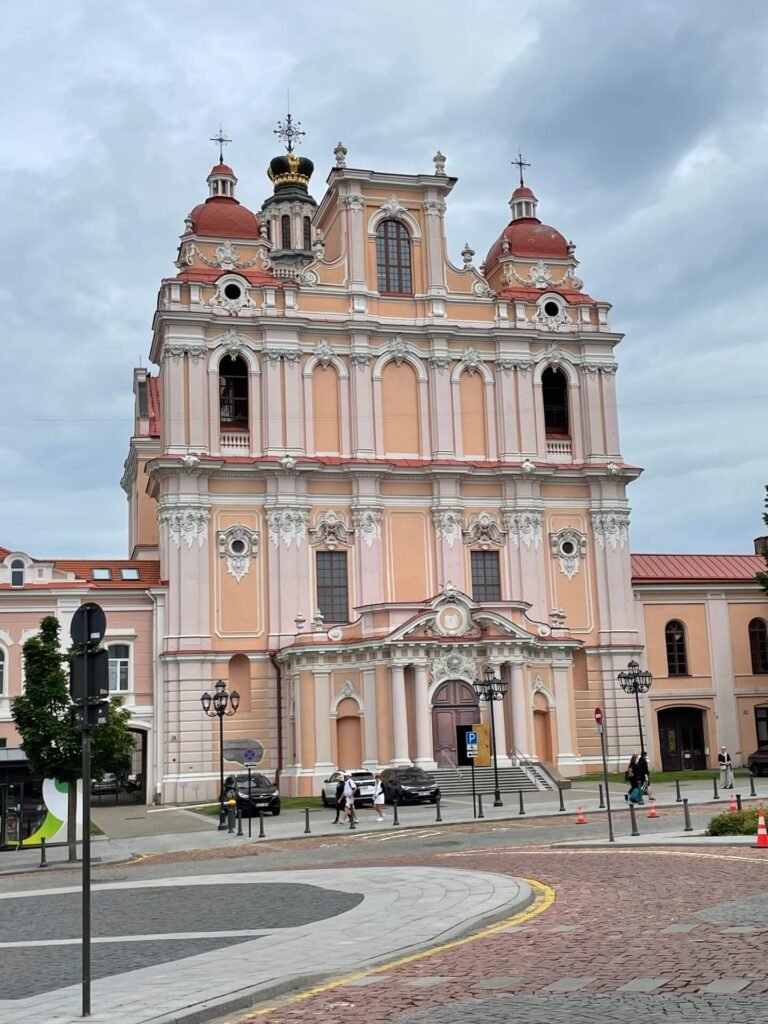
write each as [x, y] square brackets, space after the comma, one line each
[598, 716]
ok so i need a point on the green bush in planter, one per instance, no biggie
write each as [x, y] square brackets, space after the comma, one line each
[734, 823]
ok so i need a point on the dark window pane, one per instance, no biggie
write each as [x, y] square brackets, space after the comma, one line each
[486, 581]
[393, 258]
[285, 231]
[554, 390]
[761, 725]
[332, 590]
[758, 646]
[677, 657]
[233, 392]
[307, 233]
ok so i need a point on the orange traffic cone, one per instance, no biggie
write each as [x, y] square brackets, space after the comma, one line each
[653, 813]
[732, 805]
[762, 832]
[581, 820]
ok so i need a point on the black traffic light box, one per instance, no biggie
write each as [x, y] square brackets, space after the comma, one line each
[98, 677]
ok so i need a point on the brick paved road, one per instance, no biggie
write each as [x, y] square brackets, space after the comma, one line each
[648, 936]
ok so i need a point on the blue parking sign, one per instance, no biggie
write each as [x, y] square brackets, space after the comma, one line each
[470, 738]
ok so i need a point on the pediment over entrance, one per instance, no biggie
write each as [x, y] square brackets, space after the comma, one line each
[451, 614]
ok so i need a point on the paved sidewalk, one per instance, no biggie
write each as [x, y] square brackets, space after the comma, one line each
[398, 911]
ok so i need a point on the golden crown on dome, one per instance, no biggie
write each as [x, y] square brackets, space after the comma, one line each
[289, 169]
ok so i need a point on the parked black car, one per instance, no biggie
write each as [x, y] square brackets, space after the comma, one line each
[263, 795]
[758, 762]
[409, 785]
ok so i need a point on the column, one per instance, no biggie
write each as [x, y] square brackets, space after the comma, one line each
[610, 411]
[443, 442]
[198, 397]
[519, 709]
[565, 754]
[370, 723]
[274, 443]
[401, 754]
[500, 726]
[592, 414]
[424, 752]
[324, 761]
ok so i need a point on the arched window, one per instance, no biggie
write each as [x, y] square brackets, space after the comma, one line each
[393, 258]
[307, 233]
[233, 392]
[677, 657]
[285, 231]
[554, 389]
[2, 672]
[17, 573]
[758, 646]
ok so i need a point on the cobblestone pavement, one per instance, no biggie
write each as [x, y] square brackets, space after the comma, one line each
[651, 935]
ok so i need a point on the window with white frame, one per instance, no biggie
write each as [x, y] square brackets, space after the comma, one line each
[119, 667]
[2, 672]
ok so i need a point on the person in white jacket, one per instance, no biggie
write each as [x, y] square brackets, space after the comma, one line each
[378, 798]
[726, 768]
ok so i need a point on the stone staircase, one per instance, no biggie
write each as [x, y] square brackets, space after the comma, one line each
[458, 781]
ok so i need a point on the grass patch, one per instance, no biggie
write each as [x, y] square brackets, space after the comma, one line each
[706, 775]
[95, 830]
[287, 803]
[734, 823]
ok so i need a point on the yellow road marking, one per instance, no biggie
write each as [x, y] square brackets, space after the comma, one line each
[545, 897]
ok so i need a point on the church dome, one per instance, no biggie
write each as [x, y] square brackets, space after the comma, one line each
[221, 215]
[525, 235]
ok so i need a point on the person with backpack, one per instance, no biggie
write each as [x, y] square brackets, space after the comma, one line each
[350, 789]
[633, 778]
[338, 799]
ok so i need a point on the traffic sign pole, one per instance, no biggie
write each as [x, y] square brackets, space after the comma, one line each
[601, 730]
[470, 740]
[86, 735]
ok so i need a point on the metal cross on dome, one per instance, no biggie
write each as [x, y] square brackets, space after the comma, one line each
[221, 141]
[289, 132]
[520, 164]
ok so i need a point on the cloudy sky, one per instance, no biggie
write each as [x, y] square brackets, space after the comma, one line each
[645, 123]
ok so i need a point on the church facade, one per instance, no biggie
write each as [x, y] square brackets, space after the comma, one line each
[365, 473]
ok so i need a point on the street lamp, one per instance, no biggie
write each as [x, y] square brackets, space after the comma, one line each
[634, 680]
[491, 688]
[221, 704]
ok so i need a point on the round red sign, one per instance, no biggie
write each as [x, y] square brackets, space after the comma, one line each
[599, 716]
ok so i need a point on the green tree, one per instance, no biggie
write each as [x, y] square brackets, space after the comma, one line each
[42, 714]
[762, 577]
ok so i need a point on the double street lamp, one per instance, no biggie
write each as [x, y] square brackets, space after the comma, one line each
[217, 706]
[491, 688]
[634, 680]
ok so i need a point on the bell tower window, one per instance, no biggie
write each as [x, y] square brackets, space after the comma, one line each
[307, 233]
[393, 258]
[233, 393]
[285, 231]
[554, 389]
[17, 573]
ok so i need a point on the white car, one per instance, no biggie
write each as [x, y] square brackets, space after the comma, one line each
[366, 784]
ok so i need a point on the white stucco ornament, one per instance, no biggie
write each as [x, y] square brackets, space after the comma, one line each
[611, 529]
[238, 544]
[287, 526]
[399, 349]
[453, 665]
[367, 523]
[330, 531]
[524, 528]
[539, 275]
[472, 359]
[324, 353]
[484, 531]
[568, 547]
[448, 524]
[186, 524]
[393, 207]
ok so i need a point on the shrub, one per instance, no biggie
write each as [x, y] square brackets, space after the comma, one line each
[734, 823]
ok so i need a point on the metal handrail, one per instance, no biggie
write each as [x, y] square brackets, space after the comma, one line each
[455, 767]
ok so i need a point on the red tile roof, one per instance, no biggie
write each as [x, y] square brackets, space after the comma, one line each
[149, 574]
[696, 568]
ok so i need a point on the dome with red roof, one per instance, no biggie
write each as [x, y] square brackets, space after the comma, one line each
[525, 234]
[221, 215]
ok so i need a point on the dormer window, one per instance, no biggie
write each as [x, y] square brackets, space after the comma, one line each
[101, 574]
[393, 258]
[17, 573]
[129, 574]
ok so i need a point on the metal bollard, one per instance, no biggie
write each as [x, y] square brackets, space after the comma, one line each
[678, 798]
[562, 801]
[633, 818]
[43, 861]
[395, 819]
[307, 831]
[239, 822]
[716, 795]
[738, 802]
[438, 816]
[602, 798]
[522, 804]
[752, 790]
[687, 816]
[480, 805]
[262, 833]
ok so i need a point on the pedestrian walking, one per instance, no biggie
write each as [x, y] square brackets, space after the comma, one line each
[630, 776]
[726, 768]
[643, 774]
[338, 799]
[378, 798]
[350, 788]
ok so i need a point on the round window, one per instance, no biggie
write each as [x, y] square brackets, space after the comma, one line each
[233, 291]
[551, 308]
[237, 547]
[568, 547]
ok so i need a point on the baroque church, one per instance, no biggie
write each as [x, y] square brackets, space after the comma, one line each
[360, 475]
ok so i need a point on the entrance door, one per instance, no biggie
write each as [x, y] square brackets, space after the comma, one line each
[681, 738]
[454, 709]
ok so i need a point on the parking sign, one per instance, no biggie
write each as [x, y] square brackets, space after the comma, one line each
[470, 738]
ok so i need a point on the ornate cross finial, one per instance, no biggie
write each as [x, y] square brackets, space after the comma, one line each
[289, 132]
[520, 164]
[221, 141]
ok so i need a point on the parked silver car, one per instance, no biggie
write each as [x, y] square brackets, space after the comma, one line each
[366, 785]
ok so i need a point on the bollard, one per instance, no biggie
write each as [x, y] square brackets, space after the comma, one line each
[752, 790]
[307, 831]
[602, 800]
[678, 798]
[231, 818]
[43, 861]
[250, 822]
[480, 805]
[438, 816]
[633, 818]
[687, 816]
[522, 804]
[716, 795]
[395, 819]
[562, 802]
[239, 822]
[262, 833]
[738, 802]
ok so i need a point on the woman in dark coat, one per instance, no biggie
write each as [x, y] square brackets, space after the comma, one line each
[339, 799]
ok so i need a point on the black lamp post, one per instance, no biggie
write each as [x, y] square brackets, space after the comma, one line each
[634, 680]
[221, 704]
[491, 688]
